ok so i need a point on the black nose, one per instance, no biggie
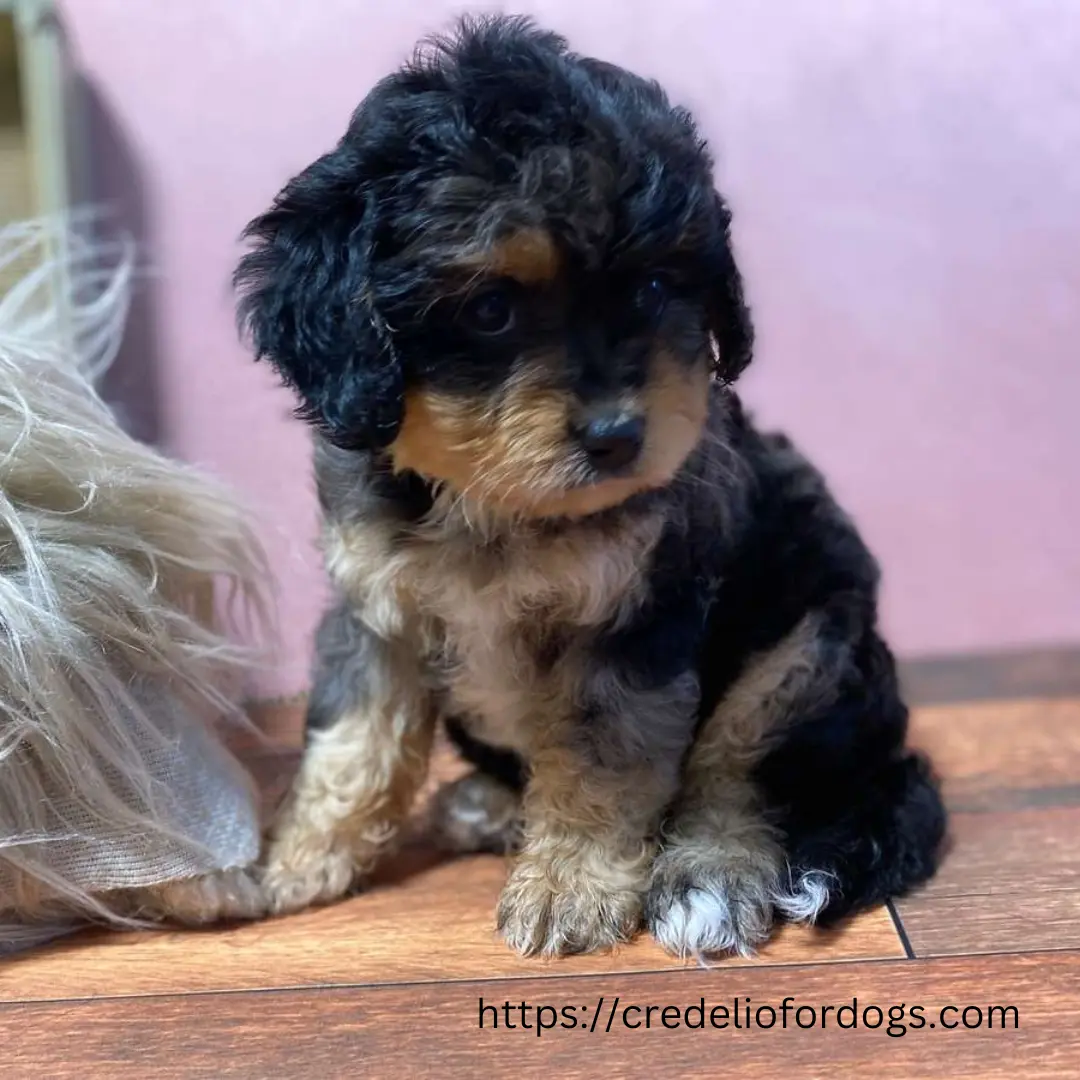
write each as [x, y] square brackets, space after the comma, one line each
[613, 440]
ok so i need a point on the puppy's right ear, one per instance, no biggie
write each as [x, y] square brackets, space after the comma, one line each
[306, 301]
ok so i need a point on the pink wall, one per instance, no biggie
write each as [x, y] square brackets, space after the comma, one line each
[906, 180]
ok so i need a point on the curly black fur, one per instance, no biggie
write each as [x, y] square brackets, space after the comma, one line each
[347, 292]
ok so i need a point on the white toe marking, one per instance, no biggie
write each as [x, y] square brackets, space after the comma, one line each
[700, 922]
[805, 898]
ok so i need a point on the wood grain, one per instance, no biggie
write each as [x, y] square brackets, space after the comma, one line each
[432, 1030]
[437, 923]
[426, 918]
[1012, 877]
[1010, 882]
[1016, 673]
[1004, 755]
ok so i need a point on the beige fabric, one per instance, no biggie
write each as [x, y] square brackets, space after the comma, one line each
[204, 796]
[115, 666]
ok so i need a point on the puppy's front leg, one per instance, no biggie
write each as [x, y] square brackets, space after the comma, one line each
[370, 726]
[592, 806]
[720, 873]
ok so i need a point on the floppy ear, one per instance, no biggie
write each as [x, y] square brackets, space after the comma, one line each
[729, 317]
[306, 301]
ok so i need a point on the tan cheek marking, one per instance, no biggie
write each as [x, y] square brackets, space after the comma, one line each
[501, 450]
[440, 437]
[532, 431]
[514, 452]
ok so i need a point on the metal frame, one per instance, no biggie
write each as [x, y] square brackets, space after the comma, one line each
[43, 84]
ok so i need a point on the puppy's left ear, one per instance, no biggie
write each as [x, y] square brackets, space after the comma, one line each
[306, 302]
[728, 315]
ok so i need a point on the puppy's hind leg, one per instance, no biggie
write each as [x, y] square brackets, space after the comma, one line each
[370, 725]
[475, 813]
[480, 811]
[856, 808]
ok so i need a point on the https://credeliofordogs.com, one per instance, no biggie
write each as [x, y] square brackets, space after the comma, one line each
[607, 1015]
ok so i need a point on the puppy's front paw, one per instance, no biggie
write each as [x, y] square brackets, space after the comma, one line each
[293, 881]
[541, 913]
[703, 903]
[218, 897]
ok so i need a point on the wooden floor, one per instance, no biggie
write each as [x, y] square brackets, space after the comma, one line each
[390, 983]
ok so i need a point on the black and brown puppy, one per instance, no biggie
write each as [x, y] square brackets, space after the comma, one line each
[508, 302]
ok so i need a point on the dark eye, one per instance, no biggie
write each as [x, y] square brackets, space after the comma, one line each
[489, 312]
[650, 298]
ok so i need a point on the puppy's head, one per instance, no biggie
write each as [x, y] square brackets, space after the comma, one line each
[513, 274]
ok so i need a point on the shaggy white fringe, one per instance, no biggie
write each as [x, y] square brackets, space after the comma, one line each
[114, 663]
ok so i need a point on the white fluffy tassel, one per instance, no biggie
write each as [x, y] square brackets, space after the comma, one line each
[114, 667]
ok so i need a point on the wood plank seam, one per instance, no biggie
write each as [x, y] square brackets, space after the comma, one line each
[901, 931]
[904, 962]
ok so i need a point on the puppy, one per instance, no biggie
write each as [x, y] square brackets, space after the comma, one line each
[508, 304]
